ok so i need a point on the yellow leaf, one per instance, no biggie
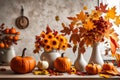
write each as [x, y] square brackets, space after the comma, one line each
[111, 13]
[81, 16]
[117, 20]
[104, 75]
[89, 25]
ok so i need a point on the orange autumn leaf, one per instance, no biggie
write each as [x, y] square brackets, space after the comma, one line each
[81, 16]
[114, 45]
[65, 30]
[74, 48]
[111, 13]
[74, 38]
[117, 20]
[102, 7]
[89, 25]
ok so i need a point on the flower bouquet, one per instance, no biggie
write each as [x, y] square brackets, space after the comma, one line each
[86, 28]
[50, 40]
[8, 37]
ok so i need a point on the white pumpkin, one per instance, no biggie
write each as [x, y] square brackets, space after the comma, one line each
[42, 65]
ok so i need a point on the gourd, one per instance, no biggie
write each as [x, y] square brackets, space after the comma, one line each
[62, 64]
[22, 64]
[93, 69]
[42, 65]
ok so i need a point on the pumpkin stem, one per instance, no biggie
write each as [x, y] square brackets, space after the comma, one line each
[23, 53]
[62, 55]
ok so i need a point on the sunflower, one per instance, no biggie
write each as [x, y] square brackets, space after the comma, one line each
[45, 41]
[47, 47]
[55, 43]
[50, 35]
[62, 39]
[63, 46]
[43, 34]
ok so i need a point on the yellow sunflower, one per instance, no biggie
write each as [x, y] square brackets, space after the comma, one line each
[46, 41]
[50, 35]
[63, 46]
[55, 43]
[43, 34]
[47, 47]
[62, 39]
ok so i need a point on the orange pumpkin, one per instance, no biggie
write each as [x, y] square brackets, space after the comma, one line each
[21, 64]
[93, 69]
[108, 66]
[62, 64]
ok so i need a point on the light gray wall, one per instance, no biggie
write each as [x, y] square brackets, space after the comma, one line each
[41, 13]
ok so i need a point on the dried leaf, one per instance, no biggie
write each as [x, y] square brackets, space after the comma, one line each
[74, 38]
[105, 75]
[111, 13]
[74, 48]
[81, 16]
[65, 30]
[113, 44]
[48, 29]
[89, 25]
[102, 8]
[117, 20]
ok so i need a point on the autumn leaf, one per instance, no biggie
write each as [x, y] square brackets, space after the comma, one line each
[74, 38]
[117, 20]
[65, 30]
[114, 45]
[48, 29]
[95, 15]
[75, 31]
[111, 13]
[74, 48]
[81, 16]
[89, 25]
[102, 8]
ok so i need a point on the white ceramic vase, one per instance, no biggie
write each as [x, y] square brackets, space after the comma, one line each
[80, 63]
[6, 55]
[50, 57]
[96, 56]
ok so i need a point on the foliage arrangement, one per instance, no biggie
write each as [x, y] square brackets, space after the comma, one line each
[50, 40]
[8, 36]
[87, 28]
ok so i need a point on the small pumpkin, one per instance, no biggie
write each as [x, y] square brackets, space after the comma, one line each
[108, 66]
[42, 65]
[62, 64]
[22, 64]
[93, 68]
[12, 30]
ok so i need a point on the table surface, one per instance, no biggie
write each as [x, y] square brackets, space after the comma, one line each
[8, 74]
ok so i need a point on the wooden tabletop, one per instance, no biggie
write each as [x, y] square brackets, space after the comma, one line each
[10, 75]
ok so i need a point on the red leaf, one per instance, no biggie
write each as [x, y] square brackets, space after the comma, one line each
[65, 30]
[48, 29]
[102, 8]
[74, 48]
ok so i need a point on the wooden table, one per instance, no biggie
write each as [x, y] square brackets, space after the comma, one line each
[10, 75]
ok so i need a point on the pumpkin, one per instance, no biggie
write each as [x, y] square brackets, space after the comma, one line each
[108, 66]
[93, 69]
[22, 64]
[62, 64]
[42, 65]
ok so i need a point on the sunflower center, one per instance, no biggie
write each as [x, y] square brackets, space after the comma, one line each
[54, 42]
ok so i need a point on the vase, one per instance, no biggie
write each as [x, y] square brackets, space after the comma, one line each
[80, 62]
[50, 57]
[6, 55]
[96, 56]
